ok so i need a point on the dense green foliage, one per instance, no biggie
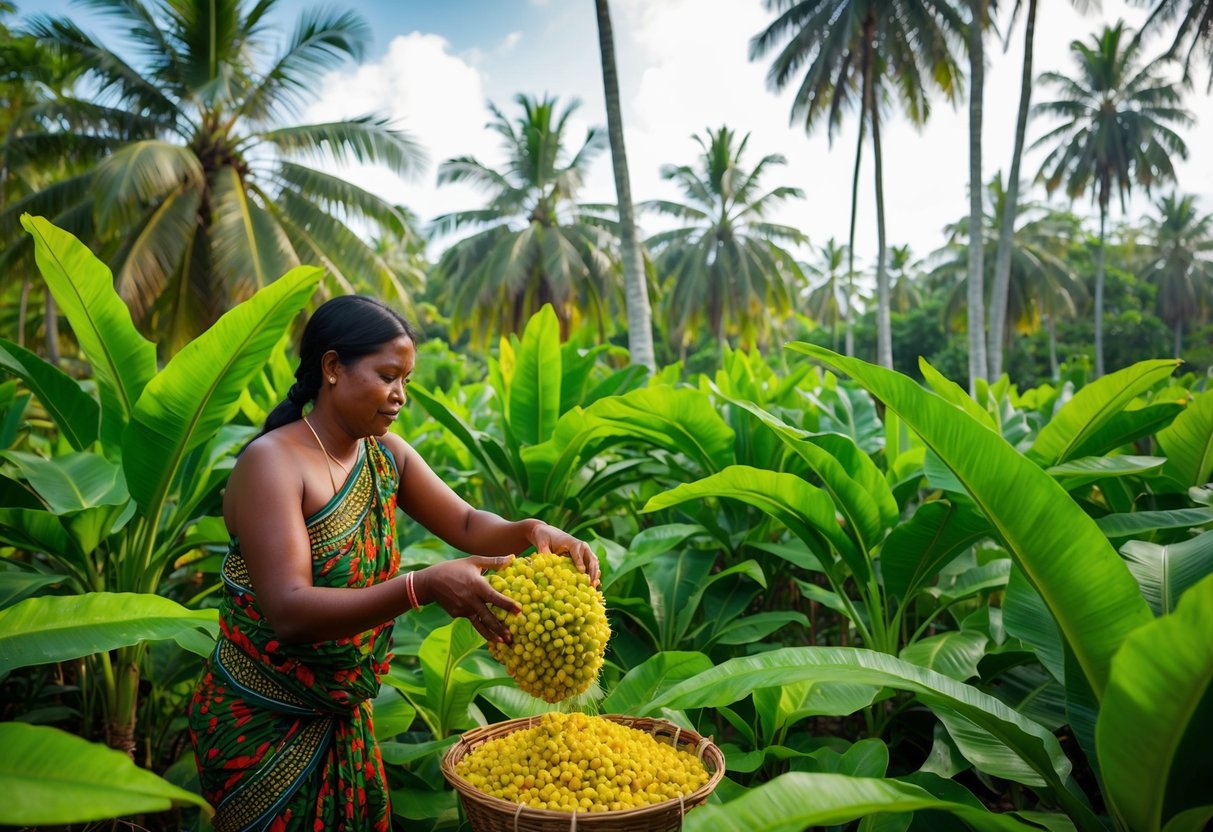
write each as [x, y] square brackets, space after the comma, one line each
[897, 596]
[869, 607]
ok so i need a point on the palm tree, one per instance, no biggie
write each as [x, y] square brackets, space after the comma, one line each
[209, 197]
[1180, 264]
[636, 290]
[859, 54]
[1043, 287]
[1117, 131]
[1002, 270]
[828, 300]
[904, 294]
[1195, 28]
[33, 77]
[725, 266]
[533, 244]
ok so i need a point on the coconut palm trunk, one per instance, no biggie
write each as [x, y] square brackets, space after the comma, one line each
[1002, 261]
[640, 323]
[1099, 281]
[850, 324]
[884, 326]
[976, 299]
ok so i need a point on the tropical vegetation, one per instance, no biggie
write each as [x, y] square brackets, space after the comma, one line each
[900, 589]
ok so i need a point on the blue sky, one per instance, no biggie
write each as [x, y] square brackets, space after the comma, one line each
[683, 67]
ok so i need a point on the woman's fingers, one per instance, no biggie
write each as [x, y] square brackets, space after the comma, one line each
[504, 602]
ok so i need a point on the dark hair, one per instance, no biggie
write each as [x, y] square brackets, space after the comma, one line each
[350, 325]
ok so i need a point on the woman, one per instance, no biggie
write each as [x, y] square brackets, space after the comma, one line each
[281, 718]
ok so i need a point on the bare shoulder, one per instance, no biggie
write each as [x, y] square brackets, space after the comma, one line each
[268, 474]
[274, 455]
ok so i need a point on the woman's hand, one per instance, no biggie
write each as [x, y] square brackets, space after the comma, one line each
[547, 538]
[459, 587]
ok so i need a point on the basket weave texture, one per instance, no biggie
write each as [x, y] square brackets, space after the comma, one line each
[493, 814]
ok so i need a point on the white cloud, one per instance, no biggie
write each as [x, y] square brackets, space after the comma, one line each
[684, 68]
[437, 97]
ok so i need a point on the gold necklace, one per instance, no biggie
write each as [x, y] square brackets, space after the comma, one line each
[325, 450]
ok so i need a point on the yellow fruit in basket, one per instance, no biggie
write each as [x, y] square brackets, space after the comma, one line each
[573, 762]
[560, 635]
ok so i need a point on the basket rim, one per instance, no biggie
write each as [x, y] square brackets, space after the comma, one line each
[470, 739]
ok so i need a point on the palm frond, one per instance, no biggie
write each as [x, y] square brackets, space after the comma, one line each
[248, 247]
[365, 140]
[341, 196]
[137, 176]
[150, 257]
[323, 38]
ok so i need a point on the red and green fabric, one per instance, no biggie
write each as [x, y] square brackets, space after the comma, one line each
[283, 732]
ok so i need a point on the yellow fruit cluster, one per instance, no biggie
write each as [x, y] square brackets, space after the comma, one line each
[573, 762]
[560, 635]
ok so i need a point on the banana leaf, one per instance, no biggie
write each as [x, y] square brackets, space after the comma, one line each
[1083, 581]
[1155, 727]
[48, 776]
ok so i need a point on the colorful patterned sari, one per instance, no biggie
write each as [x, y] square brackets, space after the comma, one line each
[283, 732]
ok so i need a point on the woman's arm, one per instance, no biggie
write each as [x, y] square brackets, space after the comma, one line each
[433, 504]
[267, 488]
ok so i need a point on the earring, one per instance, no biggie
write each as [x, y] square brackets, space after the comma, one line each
[332, 379]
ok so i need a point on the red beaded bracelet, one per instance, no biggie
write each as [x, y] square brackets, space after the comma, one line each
[408, 588]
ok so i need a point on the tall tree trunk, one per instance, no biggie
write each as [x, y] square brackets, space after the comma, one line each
[640, 323]
[850, 329]
[884, 326]
[1006, 232]
[976, 293]
[1179, 338]
[1099, 275]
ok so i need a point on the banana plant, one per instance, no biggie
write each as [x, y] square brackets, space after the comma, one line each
[146, 460]
[556, 417]
[1112, 647]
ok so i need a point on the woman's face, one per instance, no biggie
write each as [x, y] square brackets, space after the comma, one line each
[370, 391]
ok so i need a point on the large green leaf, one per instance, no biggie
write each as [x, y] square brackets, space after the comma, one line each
[678, 419]
[653, 676]
[1188, 442]
[48, 776]
[18, 584]
[74, 411]
[1155, 728]
[1130, 523]
[1093, 407]
[1165, 572]
[533, 391]
[798, 800]
[862, 495]
[806, 510]
[123, 361]
[38, 531]
[199, 390]
[1038, 757]
[1129, 426]
[71, 482]
[916, 550]
[58, 628]
[954, 653]
[1068, 560]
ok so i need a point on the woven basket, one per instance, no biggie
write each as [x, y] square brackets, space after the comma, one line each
[492, 814]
